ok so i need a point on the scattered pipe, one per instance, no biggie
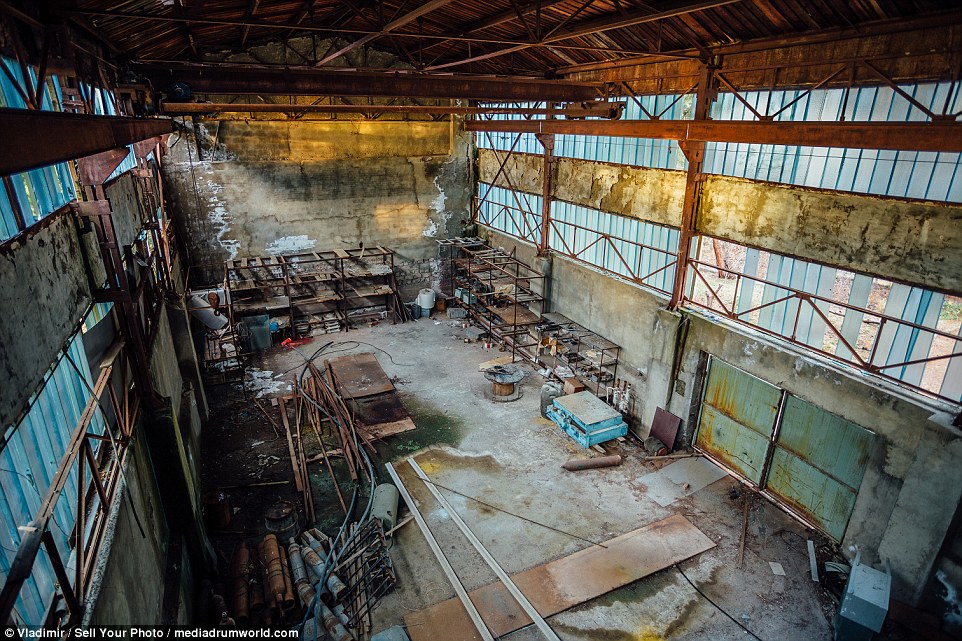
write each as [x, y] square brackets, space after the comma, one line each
[333, 624]
[288, 602]
[240, 574]
[334, 584]
[256, 592]
[271, 558]
[220, 612]
[575, 465]
[304, 590]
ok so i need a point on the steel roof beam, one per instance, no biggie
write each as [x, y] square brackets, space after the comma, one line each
[33, 139]
[923, 136]
[320, 82]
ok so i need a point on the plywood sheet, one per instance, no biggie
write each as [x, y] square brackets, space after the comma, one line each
[564, 583]
[360, 375]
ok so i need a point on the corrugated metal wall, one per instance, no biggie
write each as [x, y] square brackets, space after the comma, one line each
[634, 249]
[40, 192]
[31, 452]
[923, 175]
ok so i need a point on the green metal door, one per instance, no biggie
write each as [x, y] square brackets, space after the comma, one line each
[818, 464]
[737, 419]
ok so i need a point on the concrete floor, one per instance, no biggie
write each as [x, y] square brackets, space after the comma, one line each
[508, 456]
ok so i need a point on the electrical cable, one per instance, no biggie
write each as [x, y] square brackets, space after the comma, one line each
[337, 546]
[717, 607]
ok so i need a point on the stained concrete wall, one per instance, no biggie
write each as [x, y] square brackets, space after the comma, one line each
[655, 195]
[45, 289]
[289, 186]
[913, 484]
[918, 243]
[912, 242]
[43, 284]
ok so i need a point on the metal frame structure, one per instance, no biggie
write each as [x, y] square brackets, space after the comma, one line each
[943, 132]
[805, 302]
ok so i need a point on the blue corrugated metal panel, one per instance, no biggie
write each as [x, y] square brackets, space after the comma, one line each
[933, 176]
[515, 213]
[578, 232]
[29, 459]
[40, 191]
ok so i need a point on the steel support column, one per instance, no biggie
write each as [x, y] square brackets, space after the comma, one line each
[547, 141]
[695, 152]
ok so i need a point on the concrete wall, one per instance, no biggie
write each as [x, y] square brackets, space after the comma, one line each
[655, 195]
[43, 285]
[47, 278]
[913, 484]
[129, 585]
[907, 241]
[290, 186]
[918, 243]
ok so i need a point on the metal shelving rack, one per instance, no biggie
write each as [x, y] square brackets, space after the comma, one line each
[592, 358]
[496, 288]
[308, 291]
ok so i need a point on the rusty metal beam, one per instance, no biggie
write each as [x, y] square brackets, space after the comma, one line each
[589, 110]
[600, 25]
[923, 136]
[34, 139]
[397, 23]
[321, 82]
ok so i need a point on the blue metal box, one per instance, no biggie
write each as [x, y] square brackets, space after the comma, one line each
[586, 418]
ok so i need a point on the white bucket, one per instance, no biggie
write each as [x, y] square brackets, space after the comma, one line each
[426, 299]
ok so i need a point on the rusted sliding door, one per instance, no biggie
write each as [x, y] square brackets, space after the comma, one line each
[808, 460]
[818, 464]
[737, 419]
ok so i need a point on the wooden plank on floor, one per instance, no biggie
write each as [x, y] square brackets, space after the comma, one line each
[298, 482]
[389, 429]
[565, 582]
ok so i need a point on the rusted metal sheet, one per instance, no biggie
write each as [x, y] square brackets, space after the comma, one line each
[360, 375]
[564, 583]
[818, 465]
[737, 419]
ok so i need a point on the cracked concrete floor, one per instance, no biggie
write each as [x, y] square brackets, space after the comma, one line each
[508, 456]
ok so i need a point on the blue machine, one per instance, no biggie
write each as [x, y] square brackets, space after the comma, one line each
[586, 418]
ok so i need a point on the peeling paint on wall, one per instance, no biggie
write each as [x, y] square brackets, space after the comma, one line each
[290, 245]
[220, 219]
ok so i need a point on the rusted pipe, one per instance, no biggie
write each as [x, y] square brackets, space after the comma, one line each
[575, 465]
[304, 590]
[220, 612]
[288, 602]
[271, 558]
[240, 574]
[256, 583]
[333, 625]
[334, 584]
